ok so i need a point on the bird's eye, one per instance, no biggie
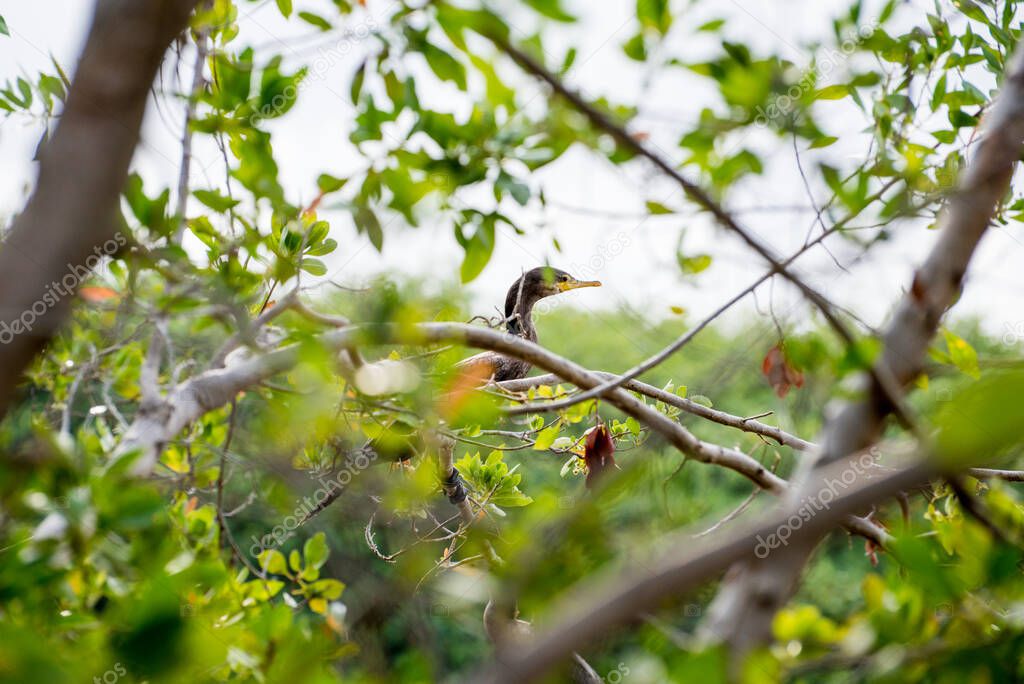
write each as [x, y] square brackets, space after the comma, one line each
[564, 277]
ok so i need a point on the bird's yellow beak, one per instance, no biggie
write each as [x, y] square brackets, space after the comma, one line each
[576, 284]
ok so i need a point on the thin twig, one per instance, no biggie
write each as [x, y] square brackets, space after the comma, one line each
[198, 85]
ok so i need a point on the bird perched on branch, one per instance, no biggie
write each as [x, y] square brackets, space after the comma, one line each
[525, 292]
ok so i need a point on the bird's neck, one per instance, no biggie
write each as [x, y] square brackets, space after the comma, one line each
[519, 313]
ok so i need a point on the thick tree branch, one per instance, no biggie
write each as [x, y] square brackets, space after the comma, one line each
[590, 611]
[74, 208]
[188, 401]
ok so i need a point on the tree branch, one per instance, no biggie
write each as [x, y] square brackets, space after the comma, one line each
[590, 611]
[82, 170]
[720, 417]
[195, 91]
[188, 401]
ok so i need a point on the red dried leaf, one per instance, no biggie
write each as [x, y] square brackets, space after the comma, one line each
[871, 551]
[95, 293]
[781, 375]
[597, 453]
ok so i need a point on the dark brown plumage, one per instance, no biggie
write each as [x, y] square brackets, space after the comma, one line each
[525, 292]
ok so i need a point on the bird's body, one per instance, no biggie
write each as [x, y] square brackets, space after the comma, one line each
[525, 292]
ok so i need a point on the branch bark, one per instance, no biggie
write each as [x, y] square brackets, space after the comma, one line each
[155, 425]
[73, 212]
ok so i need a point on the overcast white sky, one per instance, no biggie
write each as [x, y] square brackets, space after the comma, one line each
[595, 208]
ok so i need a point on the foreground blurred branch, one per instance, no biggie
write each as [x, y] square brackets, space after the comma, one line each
[72, 215]
[588, 612]
[745, 607]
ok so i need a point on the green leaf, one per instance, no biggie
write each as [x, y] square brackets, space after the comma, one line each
[493, 475]
[972, 10]
[285, 6]
[546, 438]
[568, 61]
[257, 170]
[478, 250]
[983, 420]
[357, 82]
[695, 264]
[635, 48]
[26, 92]
[329, 589]
[711, 26]
[939, 93]
[3, 27]
[446, 67]
[215, 200]
[552, 9]
[832, 92]
[962, 354]
[328, 183]
[367, 222]
[272, 561]
[314, 266]
[961, 119]
[316, 20]
[823, 141]
[654, 14]
[315, 550]
[505, 183]
[657, 208]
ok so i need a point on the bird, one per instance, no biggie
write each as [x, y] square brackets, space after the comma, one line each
[523, 294]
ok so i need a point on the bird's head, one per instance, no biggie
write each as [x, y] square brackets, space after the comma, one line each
[545, 281]
[536, 284]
